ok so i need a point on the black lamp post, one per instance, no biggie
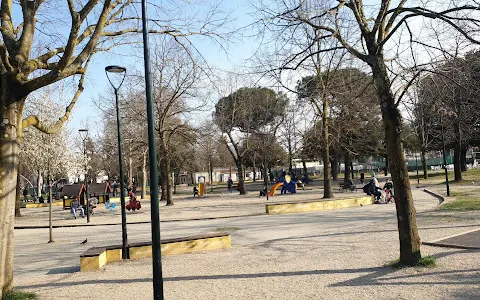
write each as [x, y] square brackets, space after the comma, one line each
[84, 136]
[152, 154]
[121, 71]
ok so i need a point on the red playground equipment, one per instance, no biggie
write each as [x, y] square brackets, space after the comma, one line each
[133, 203]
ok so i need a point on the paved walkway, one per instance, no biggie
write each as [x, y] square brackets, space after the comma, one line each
[467, 240]
[337, 254]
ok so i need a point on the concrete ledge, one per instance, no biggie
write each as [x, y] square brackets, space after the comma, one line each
[96, 257]
[440, 198]
[93, 259]
[284, 208]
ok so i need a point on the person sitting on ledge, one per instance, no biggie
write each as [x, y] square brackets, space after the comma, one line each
[263, 192]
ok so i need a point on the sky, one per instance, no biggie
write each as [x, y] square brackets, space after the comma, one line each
[236, 53]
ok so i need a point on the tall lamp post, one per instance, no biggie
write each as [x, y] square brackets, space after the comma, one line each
[121, 71]
[152, 154]
[84, 136]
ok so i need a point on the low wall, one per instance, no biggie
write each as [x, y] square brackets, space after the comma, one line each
[37, 205]
[96, 257]
[284, 208]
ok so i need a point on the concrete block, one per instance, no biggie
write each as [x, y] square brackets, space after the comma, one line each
[93, 262]
[283, 208]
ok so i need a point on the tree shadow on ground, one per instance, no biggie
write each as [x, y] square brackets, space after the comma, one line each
[64, 270]
[374, 276]
[272, 243]
[450, 277]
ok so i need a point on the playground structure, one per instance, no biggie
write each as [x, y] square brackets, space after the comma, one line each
[69, 192]
[201, 186]
[101, 191]
[288, 185]
[133, 203]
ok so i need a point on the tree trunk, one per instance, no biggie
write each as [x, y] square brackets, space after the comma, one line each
[463, 159]
[9, 152]
[392, 120]
[241, 178]
[18, 199]
[456, 163]
[144, 173]
[327, 181]
[386, 165]
[347, 162]
[163, 183]
[176, 173]
[211, 173]
[290, 152]
[305, 170]
[424, 164]
[40, 183]
[169, 183]
[351, 168]
[335, 168]
[130, 171]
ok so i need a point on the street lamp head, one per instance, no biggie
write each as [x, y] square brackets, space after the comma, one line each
[83, 133]
[120, 75]
[115, 69]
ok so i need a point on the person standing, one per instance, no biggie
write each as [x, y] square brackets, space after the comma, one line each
[362, 178]
[25, 194]
[229, 185]
[376, 190]
[114, 189]
[134, 188]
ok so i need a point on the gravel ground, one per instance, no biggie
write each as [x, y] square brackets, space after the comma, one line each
[320, 255]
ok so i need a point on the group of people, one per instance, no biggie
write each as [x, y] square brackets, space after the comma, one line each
[373, 188]
[34, 197]
[76, 207]
[229, 188]
[116, 187]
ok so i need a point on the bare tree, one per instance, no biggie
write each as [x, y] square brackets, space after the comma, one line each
[43, 154]
[368, 33]
[452, 85]
[35, 54]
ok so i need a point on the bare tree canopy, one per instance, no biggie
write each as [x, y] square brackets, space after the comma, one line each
[371, 33]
